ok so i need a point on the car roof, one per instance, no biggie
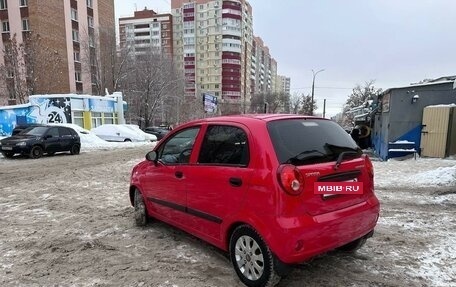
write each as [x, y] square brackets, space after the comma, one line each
[251, 118]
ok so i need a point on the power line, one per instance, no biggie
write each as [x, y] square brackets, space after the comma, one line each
[333, 88]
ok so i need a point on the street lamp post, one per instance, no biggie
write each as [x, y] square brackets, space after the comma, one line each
[313, 88]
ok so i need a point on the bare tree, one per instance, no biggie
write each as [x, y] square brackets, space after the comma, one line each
[29, 67]
[269, 103]
[13, 71]
[308, 107]
[358, 98]
[149, 82]
[295, 103]
[101, 59]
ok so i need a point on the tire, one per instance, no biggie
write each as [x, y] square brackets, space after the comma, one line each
[75, 149]
[353, 246]
[36, 152]
[8, 154]
[141, 216]
[127, 140]
[252, 259]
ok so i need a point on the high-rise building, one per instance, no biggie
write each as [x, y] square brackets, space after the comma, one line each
[263, 71]
[283, 84]
[146, 30]
[52, 46]
[212, 47]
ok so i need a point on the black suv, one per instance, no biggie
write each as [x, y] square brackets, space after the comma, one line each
[34, 141]
[157, 131]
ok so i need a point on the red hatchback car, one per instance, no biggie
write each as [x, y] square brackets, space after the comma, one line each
[269, 189]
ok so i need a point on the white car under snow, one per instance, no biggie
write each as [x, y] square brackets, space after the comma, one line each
[118, 133]
[149, 137]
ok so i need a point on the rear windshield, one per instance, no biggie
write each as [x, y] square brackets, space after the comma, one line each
[308, 141]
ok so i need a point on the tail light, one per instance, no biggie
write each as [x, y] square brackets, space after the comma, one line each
[290, 179]
[370, 167]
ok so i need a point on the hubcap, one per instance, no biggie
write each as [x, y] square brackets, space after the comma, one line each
[249, 258]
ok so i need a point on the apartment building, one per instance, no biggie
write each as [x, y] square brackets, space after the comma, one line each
[147, 30]
[263, 69]
[283, 84]
[212, 47]
[61, 41]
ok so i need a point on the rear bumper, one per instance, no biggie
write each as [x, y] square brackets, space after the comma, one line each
[307, 236]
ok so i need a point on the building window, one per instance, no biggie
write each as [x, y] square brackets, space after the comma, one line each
[108, 118]
[77, 56]
[91, 40]
[23, 3]
[25, 25]
[3, 5]
[74, 14]
[77, 76]
[5, 27]
[90, 3]
[96, 120]
[78, 119]
[90, 21]
[75, 35]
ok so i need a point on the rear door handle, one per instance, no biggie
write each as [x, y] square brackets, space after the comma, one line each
[235, 181]
[179, 174]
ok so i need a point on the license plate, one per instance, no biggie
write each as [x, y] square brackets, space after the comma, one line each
[333, 188]
[7, 148]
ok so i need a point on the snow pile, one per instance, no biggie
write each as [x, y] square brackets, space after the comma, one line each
[423, 172]
[442, 176]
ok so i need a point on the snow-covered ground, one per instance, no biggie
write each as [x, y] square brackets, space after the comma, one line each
[414, 243]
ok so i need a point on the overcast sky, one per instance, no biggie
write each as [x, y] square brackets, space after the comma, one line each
[394, 42]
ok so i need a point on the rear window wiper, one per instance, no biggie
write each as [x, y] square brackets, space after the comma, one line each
[311, 154]
[341, 157]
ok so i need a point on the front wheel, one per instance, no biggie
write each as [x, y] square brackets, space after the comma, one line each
[36, 152]
[141, 217]
[252, 259]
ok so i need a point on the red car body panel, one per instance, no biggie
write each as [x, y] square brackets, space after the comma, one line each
[207, 201]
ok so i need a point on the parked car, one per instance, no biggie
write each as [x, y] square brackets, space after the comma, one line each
[19, 128]
[35, 141]
[157, 131]
[264, 188]
[149, 137]
[117, 133]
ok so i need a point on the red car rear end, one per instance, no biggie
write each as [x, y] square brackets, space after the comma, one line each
[271, 190]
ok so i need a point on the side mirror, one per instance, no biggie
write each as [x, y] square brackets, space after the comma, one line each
[47, 137]
[152, 156]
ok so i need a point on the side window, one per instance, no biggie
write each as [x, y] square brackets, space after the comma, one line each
[178, 148]
[225, 145]
[64, 132]
[54, 132]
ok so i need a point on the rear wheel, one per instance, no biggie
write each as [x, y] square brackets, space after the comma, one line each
[252, 259]
[8, 154]
[127, 140]
[141, 217]
[75, 149]
[36, 152]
